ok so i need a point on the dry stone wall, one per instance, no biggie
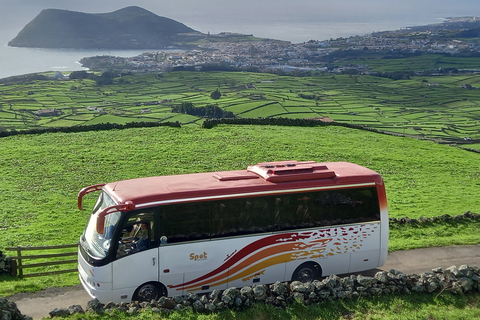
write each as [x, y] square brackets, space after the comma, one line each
[462, 280]
[9, 311]
[5, 264]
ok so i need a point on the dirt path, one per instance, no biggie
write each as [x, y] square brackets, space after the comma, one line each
[39, 304]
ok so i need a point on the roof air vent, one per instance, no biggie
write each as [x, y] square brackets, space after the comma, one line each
[283, 171]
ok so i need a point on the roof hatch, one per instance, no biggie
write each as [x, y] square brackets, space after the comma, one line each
[283, 171]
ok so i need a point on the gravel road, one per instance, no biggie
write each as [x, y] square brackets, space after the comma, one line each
[39, 304]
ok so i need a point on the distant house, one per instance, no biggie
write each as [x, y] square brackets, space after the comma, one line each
[90, 108]
[323, 119]
[48, 112]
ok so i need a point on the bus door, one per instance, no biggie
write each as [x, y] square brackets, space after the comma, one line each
[136, 256]
[188, 255]
[192, 267]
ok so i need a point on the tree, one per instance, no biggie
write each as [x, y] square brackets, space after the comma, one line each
[105, 79]
[78, 75]
[215, 94]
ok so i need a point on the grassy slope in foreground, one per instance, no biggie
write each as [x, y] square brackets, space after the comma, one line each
[42, 174]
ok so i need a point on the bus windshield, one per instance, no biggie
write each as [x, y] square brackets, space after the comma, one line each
[95, 243]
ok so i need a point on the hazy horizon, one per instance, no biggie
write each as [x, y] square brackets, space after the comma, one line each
[305, 19]
[295, 21]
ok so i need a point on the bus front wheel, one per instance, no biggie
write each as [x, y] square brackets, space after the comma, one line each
[307, 272]
[149, 291]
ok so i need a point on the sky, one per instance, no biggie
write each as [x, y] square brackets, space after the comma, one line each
[246, 16]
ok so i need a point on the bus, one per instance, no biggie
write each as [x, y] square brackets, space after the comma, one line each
[194, 233]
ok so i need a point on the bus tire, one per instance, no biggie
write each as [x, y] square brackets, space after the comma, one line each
[149, 291]
[307, 272]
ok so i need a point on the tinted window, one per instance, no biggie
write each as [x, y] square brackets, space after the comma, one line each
[326, 208]
[243, 216]
[184, 222]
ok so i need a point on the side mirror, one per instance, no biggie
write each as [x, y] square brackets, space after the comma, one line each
[128, 206]
[85, 191]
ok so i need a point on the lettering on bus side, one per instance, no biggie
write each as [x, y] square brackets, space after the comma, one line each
[196, 257]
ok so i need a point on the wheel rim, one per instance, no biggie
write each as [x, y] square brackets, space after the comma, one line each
[148, 292]
[305, 275]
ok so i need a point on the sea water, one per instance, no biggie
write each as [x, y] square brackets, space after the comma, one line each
[307, 20]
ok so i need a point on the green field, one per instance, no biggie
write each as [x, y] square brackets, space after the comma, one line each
[434, 107]
[42, 174]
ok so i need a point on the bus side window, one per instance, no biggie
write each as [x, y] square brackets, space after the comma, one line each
[241, 217]
[136, 235]
[184, 222]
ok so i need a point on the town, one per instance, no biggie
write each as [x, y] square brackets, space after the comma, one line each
[275, 55]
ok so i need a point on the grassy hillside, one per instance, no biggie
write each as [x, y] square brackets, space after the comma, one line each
[42, 174]
[432, 107]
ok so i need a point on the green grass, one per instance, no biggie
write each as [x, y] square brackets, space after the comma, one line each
[436, 106]
[41, 175]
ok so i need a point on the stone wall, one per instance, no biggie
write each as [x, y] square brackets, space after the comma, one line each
[443, 218]
[5, 264]
[9, 311]
[460, 280]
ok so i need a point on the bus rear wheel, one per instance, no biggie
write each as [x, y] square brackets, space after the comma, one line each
[307, 272]
[149, 291]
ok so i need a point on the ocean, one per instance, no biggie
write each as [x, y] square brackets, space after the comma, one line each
[295, 21]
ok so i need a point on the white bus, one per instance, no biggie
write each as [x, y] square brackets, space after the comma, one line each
[276, 221]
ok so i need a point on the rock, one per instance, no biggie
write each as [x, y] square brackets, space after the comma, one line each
[229, 296]
[366, 282]
[132, 310]
[418, 288]
[238, 302]
[204, 299]
[432, 286]
[215, 294]
[332, 281]
[94, 306]
[192, 296]
[247, 292]
[259, 292]
[453, 270]
[297, 286]
[465, 271]
[437, 270]
[9, 310]
[59, 312]
[279, 288]
[466, 284]
[382, 277]
[198, 306]
[299, 297]
[210, 307]
[166, 303]
[75, 309]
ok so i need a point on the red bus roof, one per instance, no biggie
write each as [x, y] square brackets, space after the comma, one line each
[263, 178]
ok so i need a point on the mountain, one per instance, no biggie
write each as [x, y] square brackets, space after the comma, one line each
[127, 28]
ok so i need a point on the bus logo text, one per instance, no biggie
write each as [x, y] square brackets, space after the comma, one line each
[197, 257]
